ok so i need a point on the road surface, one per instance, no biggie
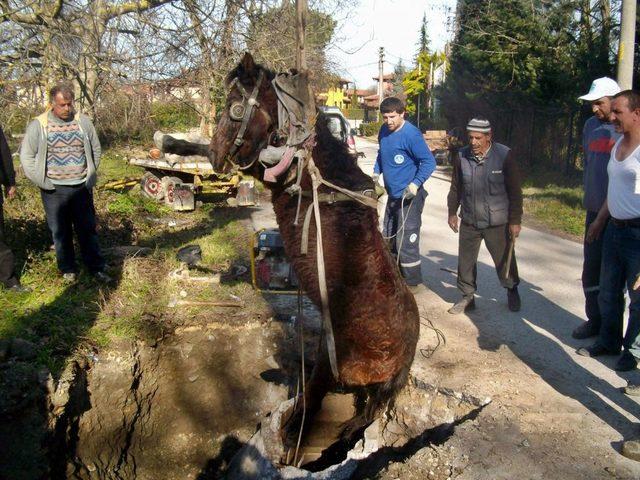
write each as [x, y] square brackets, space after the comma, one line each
[554, 414]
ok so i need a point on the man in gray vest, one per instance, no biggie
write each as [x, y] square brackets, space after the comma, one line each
[486, 186]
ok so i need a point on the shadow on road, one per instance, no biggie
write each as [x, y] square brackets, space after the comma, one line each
[537, 335]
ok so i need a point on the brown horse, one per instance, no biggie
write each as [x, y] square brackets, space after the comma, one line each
[374, 315]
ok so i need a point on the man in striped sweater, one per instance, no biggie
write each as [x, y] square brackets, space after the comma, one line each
[60, 153]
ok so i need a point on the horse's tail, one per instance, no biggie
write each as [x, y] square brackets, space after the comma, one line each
[382, 395]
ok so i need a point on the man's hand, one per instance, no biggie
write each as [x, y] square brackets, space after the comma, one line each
[379, 189]
[410, 191]
[514, 230]
[11, 192]
[453, 223]
[595, 229]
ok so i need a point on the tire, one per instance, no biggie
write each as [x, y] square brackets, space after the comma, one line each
[167, 185]
[151, 186]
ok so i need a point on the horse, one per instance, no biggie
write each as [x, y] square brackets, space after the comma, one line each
[374, 317]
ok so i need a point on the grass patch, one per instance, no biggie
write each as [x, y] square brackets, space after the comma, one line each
[555, 203]
[61, 319]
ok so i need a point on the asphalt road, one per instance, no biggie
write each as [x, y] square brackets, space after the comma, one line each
[569, 409]
[539, 335]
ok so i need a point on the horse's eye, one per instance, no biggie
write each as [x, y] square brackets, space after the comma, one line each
[236, 111]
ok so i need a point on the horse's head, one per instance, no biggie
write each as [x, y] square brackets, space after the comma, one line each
[249, 117]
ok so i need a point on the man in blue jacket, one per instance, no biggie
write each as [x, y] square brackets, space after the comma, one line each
[405, 162]
[598, 137]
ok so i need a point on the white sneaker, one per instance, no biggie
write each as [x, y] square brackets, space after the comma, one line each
[69, 277]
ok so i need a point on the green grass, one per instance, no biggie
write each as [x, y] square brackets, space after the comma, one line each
[62, 319]
[555, 202]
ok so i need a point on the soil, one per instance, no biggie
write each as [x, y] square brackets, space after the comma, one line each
[182, 406]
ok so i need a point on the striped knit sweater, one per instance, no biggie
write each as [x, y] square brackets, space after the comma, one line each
[66, 161]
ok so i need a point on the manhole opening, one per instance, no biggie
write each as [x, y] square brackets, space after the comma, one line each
[422, 415]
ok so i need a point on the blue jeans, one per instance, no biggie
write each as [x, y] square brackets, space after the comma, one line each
[404, 219]
[69, 208]
[591, 276]
[620, 266]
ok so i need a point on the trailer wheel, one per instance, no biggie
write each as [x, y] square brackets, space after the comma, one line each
[151, 186]
[168, 185]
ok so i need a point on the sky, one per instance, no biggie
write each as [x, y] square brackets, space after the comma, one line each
[392, 24]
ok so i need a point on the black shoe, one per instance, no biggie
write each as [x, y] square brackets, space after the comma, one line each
[586, 330]
[465, 304]
[102, 277]
[626, 362]
[596, 350]
[513, 299]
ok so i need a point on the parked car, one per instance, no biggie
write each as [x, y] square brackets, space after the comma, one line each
[339, 126]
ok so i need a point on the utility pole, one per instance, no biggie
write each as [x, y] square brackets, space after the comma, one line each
[309, 103]
[380, 79]
[626, 47]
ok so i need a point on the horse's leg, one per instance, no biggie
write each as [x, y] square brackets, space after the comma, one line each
[168, 144]
[378, 398]
[319, 384]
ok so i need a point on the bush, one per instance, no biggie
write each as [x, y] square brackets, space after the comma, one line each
[370, 129]
[126, 118]
[174, 116]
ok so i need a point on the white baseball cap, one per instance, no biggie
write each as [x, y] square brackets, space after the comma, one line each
[601, 87]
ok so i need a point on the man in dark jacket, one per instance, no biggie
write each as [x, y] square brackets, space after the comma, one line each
[8, 179]
[486, 185]
[598, 137]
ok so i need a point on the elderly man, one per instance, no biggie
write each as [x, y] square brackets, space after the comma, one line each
[486, 185]
[619, 217]
[8, 179]
[598, 136]
[60, 153]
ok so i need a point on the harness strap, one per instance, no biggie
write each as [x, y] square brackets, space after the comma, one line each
[304, 241]
[248, 113]
[333, 197]
[322, 280]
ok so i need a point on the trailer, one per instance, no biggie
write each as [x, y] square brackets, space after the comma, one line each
[439, 142]
[177, 180]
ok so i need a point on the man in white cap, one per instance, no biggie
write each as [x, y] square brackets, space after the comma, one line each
[620, 219]
[486, 186]
[598, 136]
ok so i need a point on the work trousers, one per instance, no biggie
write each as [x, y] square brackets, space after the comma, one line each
[498, 243]
[402, 222]
[591, 276]
[620, 267]
[70, 208]
[7, 262]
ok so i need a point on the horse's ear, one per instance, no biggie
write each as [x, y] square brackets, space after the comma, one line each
[247, 63]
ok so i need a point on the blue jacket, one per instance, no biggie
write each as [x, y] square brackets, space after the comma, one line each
[403, 158]
[597, 140]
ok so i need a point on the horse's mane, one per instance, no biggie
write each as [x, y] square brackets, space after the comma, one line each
[248, 77]
[336, 163]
